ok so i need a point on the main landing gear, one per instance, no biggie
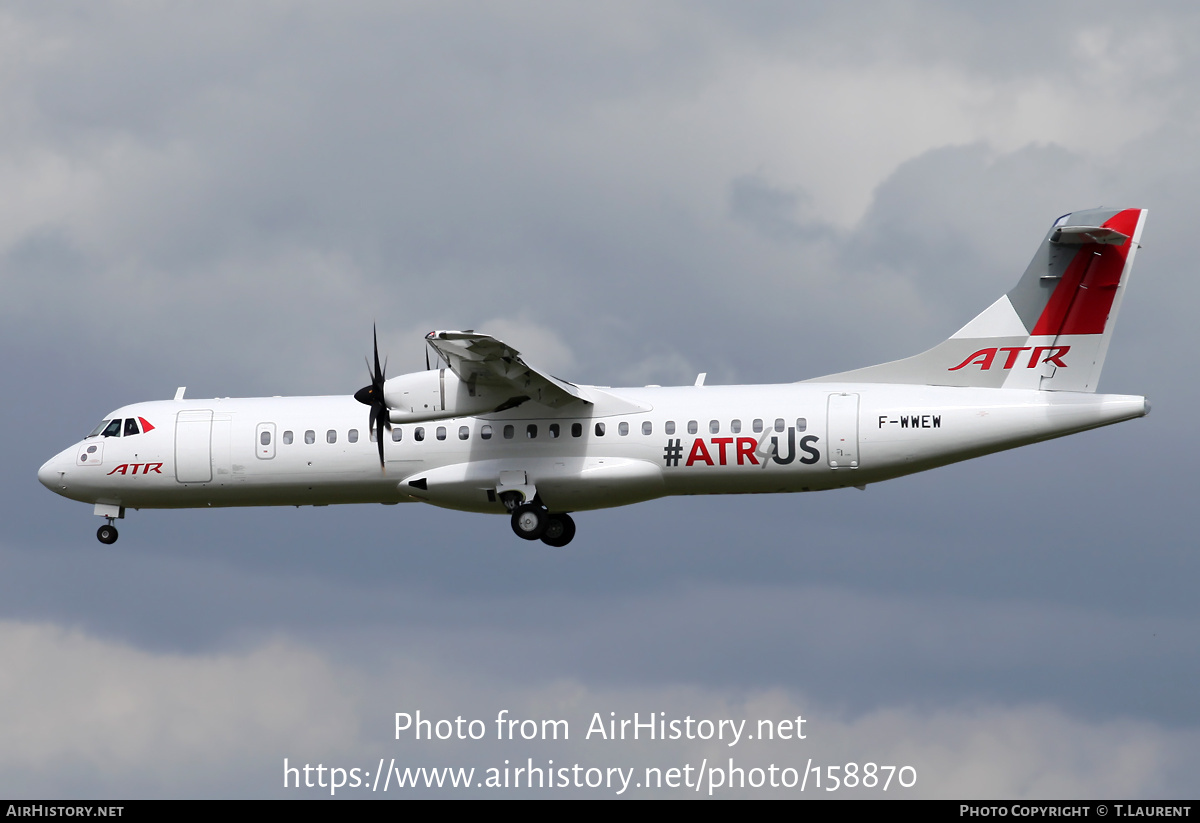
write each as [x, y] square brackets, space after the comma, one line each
[107, 534]
[531, 521]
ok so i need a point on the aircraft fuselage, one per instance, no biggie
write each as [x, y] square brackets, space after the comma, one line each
[295, 451]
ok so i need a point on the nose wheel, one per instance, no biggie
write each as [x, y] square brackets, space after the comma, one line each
[107, 534]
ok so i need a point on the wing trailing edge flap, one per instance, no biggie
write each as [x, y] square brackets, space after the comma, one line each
[481, 358]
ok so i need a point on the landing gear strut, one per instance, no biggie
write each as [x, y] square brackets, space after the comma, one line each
[107, 534]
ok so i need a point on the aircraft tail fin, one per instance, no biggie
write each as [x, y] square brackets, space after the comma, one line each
[1051, 331]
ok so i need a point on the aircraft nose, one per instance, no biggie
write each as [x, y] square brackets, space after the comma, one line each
[50, 474]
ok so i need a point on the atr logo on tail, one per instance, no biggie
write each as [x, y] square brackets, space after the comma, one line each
[984, 357]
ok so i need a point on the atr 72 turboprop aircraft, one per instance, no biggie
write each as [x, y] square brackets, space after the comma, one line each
[491, 433]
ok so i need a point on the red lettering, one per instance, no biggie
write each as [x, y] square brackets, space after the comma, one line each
[1054, 356]
[722, 442]
[745, 450]
[699, 452]
[983, 357]
[132, 468]
[1013, 351]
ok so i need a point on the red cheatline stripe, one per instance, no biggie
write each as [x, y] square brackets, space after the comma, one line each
[1084, 297]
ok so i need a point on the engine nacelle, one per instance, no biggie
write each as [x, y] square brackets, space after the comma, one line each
[439, 394]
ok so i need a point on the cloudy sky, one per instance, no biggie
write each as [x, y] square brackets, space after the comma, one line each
[227, 196]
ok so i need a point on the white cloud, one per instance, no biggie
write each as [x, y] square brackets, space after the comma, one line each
[77, 710]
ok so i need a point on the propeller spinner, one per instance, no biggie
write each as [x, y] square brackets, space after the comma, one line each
[372, 396]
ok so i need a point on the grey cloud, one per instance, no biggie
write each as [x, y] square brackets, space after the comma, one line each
[228, 197]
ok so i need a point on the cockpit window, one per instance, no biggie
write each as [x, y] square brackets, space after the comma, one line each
[131, 426]
[98, 429]
[113, 429]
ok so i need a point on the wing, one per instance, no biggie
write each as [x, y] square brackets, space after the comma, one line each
[484, 359]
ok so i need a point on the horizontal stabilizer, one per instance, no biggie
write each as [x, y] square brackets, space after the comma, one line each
[1075, 235]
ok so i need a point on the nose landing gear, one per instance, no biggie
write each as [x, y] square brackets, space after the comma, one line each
[107, 534]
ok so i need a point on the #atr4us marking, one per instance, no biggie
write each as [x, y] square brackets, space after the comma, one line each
[490, 432]
[724, 450]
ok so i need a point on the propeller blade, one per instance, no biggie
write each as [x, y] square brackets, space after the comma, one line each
[379, 373]
[372, 396]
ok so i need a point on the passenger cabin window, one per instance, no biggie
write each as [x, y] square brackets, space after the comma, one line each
[735, 426]
[647, 427]
[113, 429]
[693, 427]
[419, 433]
[464, 432]
[801, 424]
[757, 425]
[554, 430]
[485, 432]
[599, 429]
[397, 434]
[131, 427]
[287, 438]
[622, 428]
[509, 432]
[441, 432]
[310, 437]
[577, 430]
[265, 438]
[779, 424]
[531, 431]
[352, 435]
[714, 426]
[670, 427]
[331, 436]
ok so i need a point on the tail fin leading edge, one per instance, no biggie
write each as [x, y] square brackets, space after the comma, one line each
[1051, 331]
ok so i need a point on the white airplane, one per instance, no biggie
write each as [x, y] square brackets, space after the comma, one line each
[491, 433]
